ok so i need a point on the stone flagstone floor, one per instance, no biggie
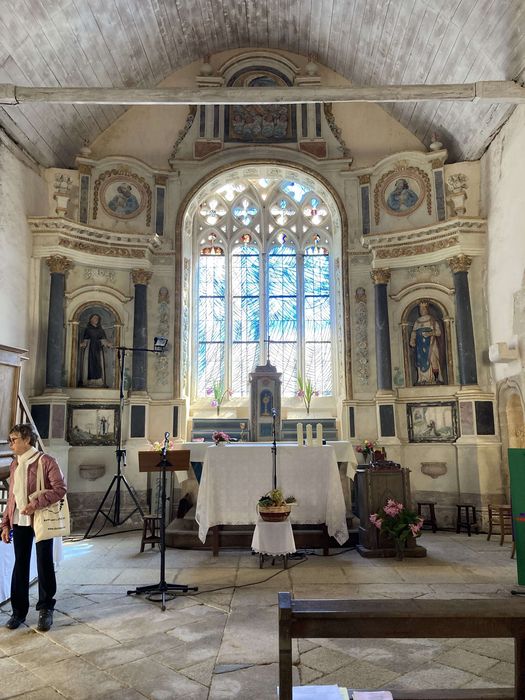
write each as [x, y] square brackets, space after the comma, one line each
[221, 643]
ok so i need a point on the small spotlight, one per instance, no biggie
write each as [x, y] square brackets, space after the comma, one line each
[159, 343]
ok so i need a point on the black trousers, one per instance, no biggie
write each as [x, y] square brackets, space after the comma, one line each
[47, 585]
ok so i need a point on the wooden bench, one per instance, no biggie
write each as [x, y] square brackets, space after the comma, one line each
[387, 619]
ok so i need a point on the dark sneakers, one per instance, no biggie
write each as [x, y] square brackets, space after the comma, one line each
[45, 620]
[14, 622]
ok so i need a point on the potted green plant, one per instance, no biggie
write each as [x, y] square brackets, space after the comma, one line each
[274, 507]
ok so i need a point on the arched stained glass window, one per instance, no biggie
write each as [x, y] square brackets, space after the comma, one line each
[282, 314]
[245, 295]
[264, 281]
[212, 319]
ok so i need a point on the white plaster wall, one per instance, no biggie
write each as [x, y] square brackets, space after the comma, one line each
[23, 192]
[503, 174]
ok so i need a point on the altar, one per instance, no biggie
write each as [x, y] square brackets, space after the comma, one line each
[235, 476]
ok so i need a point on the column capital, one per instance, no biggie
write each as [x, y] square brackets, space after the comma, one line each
[380, 276]
[140, 276]
[460, 263]
[58, 263]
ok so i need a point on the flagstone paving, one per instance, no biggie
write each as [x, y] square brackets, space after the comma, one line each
[221, 642]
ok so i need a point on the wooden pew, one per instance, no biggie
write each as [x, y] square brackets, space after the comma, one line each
[421, 618]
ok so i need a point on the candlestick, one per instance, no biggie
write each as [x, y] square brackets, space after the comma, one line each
[309, 435]
[300, 434]
[319, 434]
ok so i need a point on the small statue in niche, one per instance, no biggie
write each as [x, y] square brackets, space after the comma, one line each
[426, 339]
[93, 370]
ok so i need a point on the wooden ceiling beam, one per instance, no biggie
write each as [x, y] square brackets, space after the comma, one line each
[496, 91]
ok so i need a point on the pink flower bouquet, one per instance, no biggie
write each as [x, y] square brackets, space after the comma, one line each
[219, 436]
[397, 522]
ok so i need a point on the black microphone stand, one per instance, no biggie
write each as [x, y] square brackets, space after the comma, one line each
[118, 479]
[164, 589]
[274, 450]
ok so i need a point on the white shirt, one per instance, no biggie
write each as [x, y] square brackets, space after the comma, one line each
[20, 486]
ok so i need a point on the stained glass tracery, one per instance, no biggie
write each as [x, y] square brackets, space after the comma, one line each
[266, 277]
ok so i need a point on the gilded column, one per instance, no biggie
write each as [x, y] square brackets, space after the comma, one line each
[383, 357]
[58, 266]
[460, 265]
[139, 371]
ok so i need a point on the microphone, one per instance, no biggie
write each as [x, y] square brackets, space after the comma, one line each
[274, 412]
[166, 439]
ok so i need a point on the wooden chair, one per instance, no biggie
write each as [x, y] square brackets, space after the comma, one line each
[500, 516]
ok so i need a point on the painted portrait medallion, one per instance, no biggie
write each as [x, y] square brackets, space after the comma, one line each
[122, 197]
[402, 193]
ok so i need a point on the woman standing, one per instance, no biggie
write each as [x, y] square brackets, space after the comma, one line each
[17, 524]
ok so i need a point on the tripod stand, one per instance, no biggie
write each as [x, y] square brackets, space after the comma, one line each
[119, 479]
[148, 461]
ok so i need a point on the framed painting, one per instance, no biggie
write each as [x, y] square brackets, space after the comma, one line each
[93, 424]
[253, 123]
[122, 197]
[432, 422]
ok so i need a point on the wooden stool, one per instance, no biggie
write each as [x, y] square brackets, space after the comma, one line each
[469, 510]
[432, 513]
[500, 516]
[150, 531]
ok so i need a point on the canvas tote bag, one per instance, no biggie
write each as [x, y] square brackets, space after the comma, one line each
[53, 520]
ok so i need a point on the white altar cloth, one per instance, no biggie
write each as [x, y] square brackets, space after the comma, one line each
[235, 476]
[275, 539]
[343, 449]
[7, 559]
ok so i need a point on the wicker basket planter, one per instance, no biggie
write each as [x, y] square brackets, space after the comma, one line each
[275, 514]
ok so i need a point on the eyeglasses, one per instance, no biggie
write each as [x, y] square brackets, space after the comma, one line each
[13, 439]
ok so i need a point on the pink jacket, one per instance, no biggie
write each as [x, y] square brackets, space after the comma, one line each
[53, 483]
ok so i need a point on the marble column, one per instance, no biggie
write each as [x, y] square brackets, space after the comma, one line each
[383, 357]
[460, 265]
[58, 266]
[139, 371]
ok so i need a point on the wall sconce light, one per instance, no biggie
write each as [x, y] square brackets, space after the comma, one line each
[160, 343]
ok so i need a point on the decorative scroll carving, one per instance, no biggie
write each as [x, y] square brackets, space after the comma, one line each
[107, 251]
[457, 193]
[91, 273]
[380, 276]
[364, 179]
[336, 130]
[141, 276]
[460, 263]
[185, 322]
[420, 249]
[58, 263]
[163, 329]
[182, 133]
[361, 336]
[424, 270]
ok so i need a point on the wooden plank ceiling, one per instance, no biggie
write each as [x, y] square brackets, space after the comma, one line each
[138, 43]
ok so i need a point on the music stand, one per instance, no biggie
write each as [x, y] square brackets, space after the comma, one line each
[155, 462]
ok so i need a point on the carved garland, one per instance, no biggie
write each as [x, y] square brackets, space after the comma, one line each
[416, 173]
[126, 173]
[419, 249]
[111, 251]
